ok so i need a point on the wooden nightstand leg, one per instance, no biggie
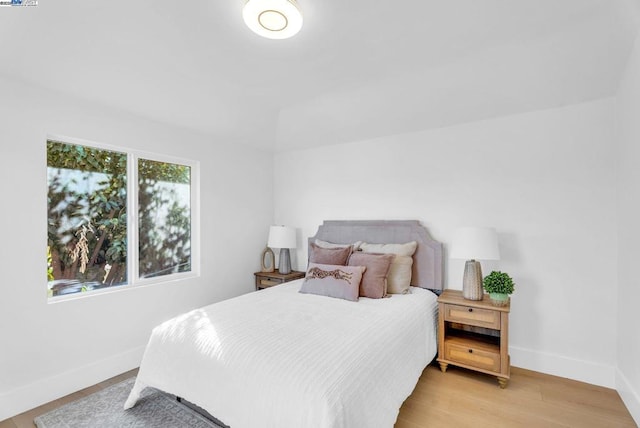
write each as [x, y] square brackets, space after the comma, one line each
[443, 366]
[502, 382]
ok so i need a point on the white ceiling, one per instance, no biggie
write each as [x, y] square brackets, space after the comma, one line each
[358, 69]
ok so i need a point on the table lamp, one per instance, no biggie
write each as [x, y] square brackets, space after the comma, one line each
[471, 243]
[284, 238]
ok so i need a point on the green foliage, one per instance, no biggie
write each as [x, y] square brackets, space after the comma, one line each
[88, 159]
[49, 267]
[498, 282]
[163, 171]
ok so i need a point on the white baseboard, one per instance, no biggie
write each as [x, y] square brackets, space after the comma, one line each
[558, 365]
[629, 395]
[48, 389]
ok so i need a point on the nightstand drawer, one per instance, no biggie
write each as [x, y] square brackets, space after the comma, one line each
[472, 316]
[269, 282]
[474, 355]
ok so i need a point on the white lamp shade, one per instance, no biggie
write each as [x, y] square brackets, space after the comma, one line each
[273, 19]
[471, 243]
[282, 237]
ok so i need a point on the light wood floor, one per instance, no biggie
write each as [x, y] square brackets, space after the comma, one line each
[461, 398]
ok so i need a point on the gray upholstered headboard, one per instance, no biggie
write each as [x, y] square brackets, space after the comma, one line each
[427, 260]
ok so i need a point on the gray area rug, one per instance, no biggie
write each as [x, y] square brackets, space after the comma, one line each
[104, 409]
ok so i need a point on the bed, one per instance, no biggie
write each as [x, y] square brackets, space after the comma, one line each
[281, 358]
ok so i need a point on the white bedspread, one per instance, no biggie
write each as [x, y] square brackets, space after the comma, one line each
[278, 358]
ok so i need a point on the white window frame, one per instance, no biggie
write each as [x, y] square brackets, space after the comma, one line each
[133, 256]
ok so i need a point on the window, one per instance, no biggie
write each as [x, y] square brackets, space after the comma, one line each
[164, 218]
[94, 239]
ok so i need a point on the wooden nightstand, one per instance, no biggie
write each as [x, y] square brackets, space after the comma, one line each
[269, 279]
[473, 334]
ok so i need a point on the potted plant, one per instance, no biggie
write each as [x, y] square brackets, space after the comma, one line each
[499, 285]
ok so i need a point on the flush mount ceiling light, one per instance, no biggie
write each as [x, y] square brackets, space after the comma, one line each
[273, 19]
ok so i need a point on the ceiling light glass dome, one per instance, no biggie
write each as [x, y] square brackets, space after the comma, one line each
[273, 19]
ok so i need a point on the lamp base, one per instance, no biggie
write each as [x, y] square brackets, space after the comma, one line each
[472, 281]
[284, 265]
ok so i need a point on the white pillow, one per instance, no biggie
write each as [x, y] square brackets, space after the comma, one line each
[398, 249]
[399, 276]
[325, 244]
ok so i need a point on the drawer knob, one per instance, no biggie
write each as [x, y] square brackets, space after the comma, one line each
[471, 351]
[470, 309]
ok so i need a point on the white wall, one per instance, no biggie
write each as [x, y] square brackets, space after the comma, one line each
[49, 350]
[545, 180]
[628, 129]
